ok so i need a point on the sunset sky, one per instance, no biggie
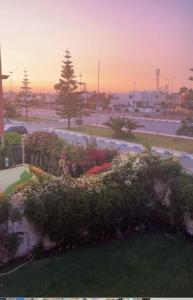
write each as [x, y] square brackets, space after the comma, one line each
[130, 37]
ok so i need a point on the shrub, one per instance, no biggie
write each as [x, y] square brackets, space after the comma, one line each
[13, 242]
[43, 150]
[13, 138]
[116, 124]
[59, 211]
[4, 208]
[186, 127]
[74, 211]
[38, 251]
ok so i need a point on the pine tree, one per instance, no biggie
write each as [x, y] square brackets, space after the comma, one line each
[68, 100]
[25, 94]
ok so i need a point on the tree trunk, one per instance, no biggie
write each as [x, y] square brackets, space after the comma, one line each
[69, 121]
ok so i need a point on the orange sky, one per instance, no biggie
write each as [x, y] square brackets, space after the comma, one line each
[131, 39]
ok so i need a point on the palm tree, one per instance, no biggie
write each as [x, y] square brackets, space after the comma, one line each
[116, 124]
[131, 125]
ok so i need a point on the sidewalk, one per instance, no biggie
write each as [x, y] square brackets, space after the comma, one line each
[10, 176]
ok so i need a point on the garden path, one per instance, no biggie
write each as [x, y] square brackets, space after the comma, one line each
[10, 176]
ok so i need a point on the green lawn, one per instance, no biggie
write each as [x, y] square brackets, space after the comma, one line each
[30, 119]
[25, 176]
[143, 265]
[179, 144]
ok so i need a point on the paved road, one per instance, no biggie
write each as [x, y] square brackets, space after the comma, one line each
[158, 126]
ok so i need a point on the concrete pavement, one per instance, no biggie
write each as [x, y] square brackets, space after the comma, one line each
[10, 176]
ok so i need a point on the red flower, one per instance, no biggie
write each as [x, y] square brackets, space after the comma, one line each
[99, 169]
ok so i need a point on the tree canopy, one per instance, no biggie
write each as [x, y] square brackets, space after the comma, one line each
[68, 100]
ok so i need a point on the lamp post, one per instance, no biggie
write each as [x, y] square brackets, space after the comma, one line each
[24, 138]
[10, 87]
[1, 101]
[98, 90]
[81, 100]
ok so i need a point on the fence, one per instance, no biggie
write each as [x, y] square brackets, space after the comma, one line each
[14, 155]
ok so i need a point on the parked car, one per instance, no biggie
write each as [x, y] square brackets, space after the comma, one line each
[16, 128]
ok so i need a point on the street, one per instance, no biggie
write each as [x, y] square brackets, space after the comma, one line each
[150, 125]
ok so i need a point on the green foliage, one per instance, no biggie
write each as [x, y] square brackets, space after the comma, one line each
[13, 242]
[4, 209]
[116, 124]
[131, 125]
[38, 251]
[43, 149]
[60, 212]
[184, 193]
[74, 211]
[6, 147]
[10, 110]
[14, 216]
[104, 100]
[68, 101]
[186, 127]
[13, 138]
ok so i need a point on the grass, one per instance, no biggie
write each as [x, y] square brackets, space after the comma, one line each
[144, 265]
[30, 119]
[25, 176]
[179, 144]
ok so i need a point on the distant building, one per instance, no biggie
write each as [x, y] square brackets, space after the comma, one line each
[10, 96]
[175, 99]
[46, 100]
[139, 101]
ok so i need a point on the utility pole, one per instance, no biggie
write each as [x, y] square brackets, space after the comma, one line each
[10, 76]
[1, 100]
[98, 90]
[26, 88]
[157, 74]
[80, 84]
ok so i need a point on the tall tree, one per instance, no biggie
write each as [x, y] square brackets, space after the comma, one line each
[25, 94]
[68, 100]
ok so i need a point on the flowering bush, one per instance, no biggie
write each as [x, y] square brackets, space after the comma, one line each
[73, 211]
[99, 169]
[2, 195]
[22, 186]
[43, 149]
[35, 170]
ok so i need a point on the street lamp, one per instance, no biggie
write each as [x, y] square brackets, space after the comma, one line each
[10, 76]
[2, 77]
[98, 93]
[23, 140]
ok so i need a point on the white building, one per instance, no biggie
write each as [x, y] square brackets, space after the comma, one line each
[139, 101]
